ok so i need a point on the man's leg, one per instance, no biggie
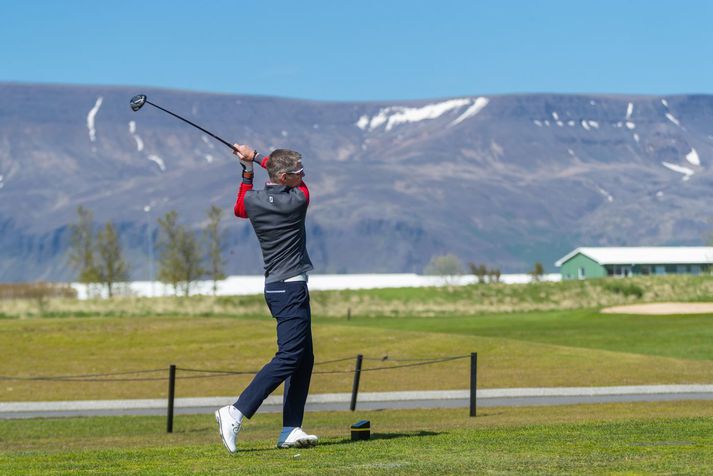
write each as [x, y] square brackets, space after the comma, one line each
[297, 388]
[289, 304]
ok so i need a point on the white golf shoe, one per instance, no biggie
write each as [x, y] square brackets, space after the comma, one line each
[296, 438]
[229, 428]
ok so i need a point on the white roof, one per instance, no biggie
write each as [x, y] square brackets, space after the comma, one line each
[645, 255]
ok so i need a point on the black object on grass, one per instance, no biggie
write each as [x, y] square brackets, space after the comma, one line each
[361, 430]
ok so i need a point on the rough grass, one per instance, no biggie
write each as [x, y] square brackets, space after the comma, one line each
[665, 437]
[412, 302]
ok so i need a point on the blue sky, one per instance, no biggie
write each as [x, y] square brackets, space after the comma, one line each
[363, 50]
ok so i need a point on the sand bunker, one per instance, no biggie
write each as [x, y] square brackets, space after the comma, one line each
[663, 308]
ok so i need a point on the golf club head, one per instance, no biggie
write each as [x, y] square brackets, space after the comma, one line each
[137, 101]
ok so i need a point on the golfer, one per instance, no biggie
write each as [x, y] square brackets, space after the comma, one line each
[277, 214]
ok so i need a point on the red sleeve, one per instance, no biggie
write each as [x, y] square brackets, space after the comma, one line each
[239, 208]
[303, 186]
[263, 162]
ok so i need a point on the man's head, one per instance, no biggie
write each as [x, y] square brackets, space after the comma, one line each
[285, 167]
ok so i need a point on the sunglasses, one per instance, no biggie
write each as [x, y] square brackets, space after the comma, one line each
[296, 172]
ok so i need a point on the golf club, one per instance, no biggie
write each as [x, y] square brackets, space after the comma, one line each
[139, 100]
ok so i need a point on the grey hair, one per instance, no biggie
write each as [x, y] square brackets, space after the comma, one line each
[281, 161]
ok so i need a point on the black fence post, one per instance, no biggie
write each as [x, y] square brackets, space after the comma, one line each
[355, 387]
[473, 381]
[171, 393]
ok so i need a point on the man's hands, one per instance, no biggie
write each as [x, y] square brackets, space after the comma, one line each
[244, 152]
[246, 156]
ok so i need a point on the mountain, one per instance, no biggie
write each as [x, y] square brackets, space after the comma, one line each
[503, 180]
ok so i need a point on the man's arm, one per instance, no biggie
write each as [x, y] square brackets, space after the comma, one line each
[247, 156]
[303, 187]
[239, 208]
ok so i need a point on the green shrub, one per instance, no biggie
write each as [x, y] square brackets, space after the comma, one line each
[623, 287]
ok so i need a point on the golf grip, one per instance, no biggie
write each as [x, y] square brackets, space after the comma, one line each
[230, 146]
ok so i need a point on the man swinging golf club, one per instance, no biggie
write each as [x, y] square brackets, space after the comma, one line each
[277, 214]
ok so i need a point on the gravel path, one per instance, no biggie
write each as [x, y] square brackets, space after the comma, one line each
[369, 401]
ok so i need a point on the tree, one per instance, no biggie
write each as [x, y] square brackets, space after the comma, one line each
[180, 257]
[111, 266]
[537, 272]
[190, 259]
[168, 250]
[81, 247]
[479, 270]
[216, 261]
[494, 275]
[446, 266]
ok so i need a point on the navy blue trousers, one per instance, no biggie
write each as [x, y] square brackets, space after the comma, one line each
[292, 364]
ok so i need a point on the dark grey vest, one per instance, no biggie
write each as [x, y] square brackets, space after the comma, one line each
[277, 214]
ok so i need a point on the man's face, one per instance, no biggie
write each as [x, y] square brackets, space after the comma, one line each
[293, 178]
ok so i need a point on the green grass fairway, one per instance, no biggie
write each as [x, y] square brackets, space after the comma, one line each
[509, 355]
[687, 337]
[670, 437]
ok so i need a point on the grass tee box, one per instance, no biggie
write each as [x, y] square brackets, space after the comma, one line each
[585, 439]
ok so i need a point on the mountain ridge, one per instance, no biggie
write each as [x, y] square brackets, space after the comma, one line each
[523, 178]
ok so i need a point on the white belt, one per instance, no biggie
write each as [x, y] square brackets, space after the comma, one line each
[299, 277]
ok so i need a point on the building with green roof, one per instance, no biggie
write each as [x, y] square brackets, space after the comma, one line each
[593, 262]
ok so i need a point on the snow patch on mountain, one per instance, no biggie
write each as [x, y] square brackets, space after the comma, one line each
[670, 116]
[474, 109]
[681, 170]
[606, 194]
[90, 119]
[629, 111]
[692, 157]
[362, 122]
[673, 119]
[159, 161]
[396, 115]
[139, 141]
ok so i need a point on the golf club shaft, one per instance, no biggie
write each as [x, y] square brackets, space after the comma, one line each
[230, 146]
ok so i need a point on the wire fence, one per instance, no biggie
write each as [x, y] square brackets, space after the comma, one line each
[384, 363]
[212, 373]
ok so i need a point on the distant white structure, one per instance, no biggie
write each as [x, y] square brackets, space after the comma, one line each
[247, 285]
